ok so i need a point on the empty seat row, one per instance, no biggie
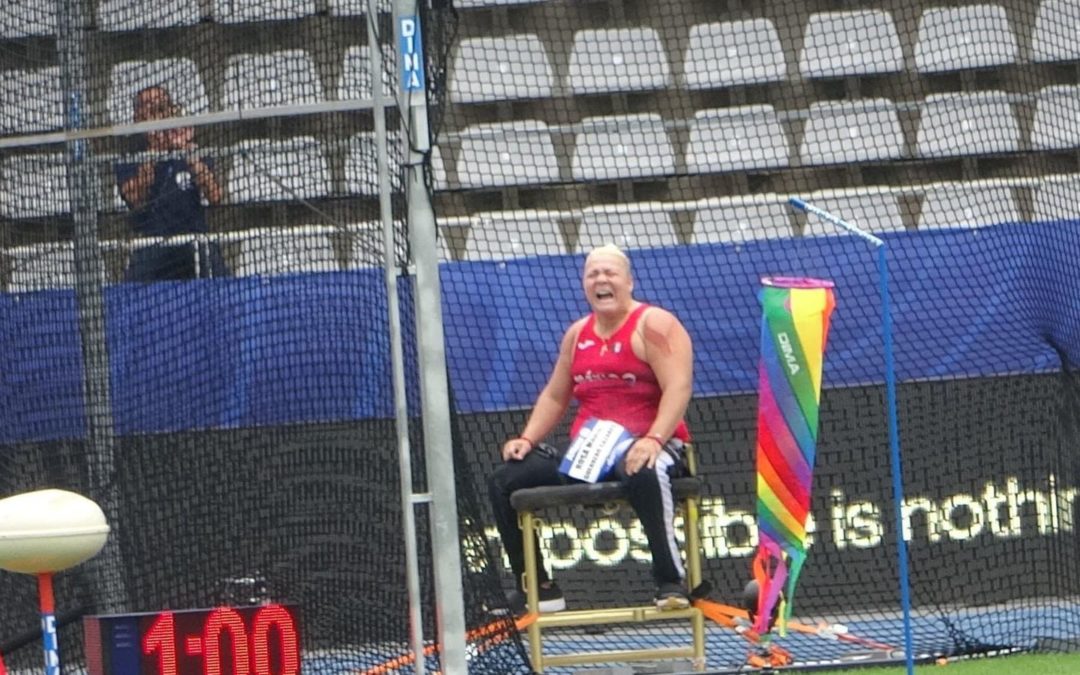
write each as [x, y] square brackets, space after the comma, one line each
[755, 137]
[749, 51]
[286, 77]
[33, 186]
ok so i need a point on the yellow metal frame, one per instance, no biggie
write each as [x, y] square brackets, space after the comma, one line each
[637, 614]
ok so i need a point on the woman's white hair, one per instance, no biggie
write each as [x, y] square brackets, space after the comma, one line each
[612, 250]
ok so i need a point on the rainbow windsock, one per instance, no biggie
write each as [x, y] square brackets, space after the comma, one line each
[794, 330]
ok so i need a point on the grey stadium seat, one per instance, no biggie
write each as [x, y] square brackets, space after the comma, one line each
[1058, 198]
[503, 235]
[622, 146]
[117, 15]
[24, 18]
[511, 153]
[1057, 31]
[957, 38]
[731, 53]
[862, 42]
[356, 82]
[288, 169]
[872, 209]
[41, 266]
[967, 124]
[967, 205]
[272, 251]
[241, 11]
[1057, 118]
[731, 139]
[33, 186]
[733, 220]
[629, 226]
[286, 77]
[617, 59]
[44, 111]
[852, 131]
[500, 68]
[361, 167]
[180, 76]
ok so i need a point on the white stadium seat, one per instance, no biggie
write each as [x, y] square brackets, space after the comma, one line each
[286, 77]
[356, 82]
[23, 18]
[511, 153]
[742, 218]
[617, 59]
[33, 186]
[41, 266]
[240, 11]
[1057, 118]
[503, 235]
[733, 139]
[967, 205]
[957, 38]
[361, 163]
[1058, 198]
[500, 68]
[466, 4]
[42, 111]
[967, 124]
[861, 42]
[367, 246]
[438, 169]
[872, 209]
[622, 146]
[360, 7]
[838, 132]
[180, 76]
[732, 53]
[268, 252]
[628, 226]
[1057, 31]
[116, 15]
[278, 170]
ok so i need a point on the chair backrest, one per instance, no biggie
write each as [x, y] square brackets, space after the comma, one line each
[361, 163]
[731, 53]
[240, 11]
[957, 38]
[1057, 118]
[180, 76]
[733, 139]
[967, 124]
[868, 208]
[500, 68]
[41, 266]
[356, 81]
[617, 59]
[852, 131]
[967, 205]
[1058, 198]
[286, 77]
[24, 18]
[42, 111]
[116, 15]
[629, 226]
[287, 169]
[733, 220]
[860, 42]
[622, 146]
[504, 235]
[33, 186]
[269, 252]
[1056, 37]
[511, 153]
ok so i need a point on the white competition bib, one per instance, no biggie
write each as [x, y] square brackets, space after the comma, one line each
[598, 447]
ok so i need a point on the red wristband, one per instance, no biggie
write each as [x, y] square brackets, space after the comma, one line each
[657, 438]
[528, 440]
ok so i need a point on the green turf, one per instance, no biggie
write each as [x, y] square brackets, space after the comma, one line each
[1022, 664]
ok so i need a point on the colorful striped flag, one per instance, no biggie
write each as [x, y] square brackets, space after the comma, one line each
[794, 330]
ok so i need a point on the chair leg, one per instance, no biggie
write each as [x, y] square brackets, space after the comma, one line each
[532, 587]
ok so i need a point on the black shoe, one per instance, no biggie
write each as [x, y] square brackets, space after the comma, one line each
[671, 596]
[551, 600]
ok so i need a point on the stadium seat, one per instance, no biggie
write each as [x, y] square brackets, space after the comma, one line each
[1056, 37]
[617, 59]
[500, 68]
[117, 15]
[629, 226]
[733, 139]
[732, 53]
[242, 11]
[360, 7]
[180, 76]
[361, 168]
[24, 18]
[278, 170]
[367, 248]
[622, 146]
[512, 153]
[466, 4]
[503, 235]
[267, 251]
[967, 205]
[957, 38]
[1058, 198]
[967, 124]
[873, 209]
[727, 220]
[44, 111]
[355, 81]
[438, 169]
[851, 131]
[33, 186]
[285, 77]
[41, 266]
[1057, 118]
[861, 42]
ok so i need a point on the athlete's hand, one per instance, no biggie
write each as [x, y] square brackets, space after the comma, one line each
[642, 453]
[516, 449]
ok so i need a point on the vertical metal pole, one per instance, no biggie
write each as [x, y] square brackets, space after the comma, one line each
[894, 453]
[435, 397]
[107, 568]
[401, 408]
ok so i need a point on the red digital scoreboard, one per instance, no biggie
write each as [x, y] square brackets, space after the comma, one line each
[262, 640]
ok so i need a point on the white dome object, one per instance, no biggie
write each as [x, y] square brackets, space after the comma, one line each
[49, 530]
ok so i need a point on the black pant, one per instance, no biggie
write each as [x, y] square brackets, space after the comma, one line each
[649, 492]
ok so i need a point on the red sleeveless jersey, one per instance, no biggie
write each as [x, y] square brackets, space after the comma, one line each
[612, 383]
